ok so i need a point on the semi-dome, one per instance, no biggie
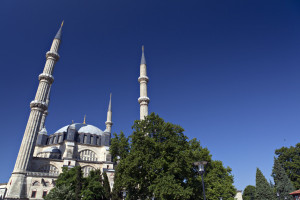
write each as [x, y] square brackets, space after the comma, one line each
[81, 128]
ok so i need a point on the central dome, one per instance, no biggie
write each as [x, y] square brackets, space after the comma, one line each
[81, 128]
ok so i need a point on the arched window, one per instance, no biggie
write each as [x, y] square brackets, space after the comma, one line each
[51, 169]
[87, 155]
[86, 170]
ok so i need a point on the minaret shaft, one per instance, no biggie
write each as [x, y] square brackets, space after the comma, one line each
[143, 79]
[17, 188]
[38, 106]
[108, 122]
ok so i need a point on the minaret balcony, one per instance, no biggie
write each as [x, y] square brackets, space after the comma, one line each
[38, 104]
[143, 79]
[49, 78]
[143, 99]
[52, 55]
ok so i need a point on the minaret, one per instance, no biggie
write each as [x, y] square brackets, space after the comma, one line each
[17, 183]
[109, 114]
[143, 79]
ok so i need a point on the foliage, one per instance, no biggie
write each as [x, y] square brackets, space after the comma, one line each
[78, 182]
[290, 161]
[119, 146]
[106, 187]
[93, 189]
[62, 192]
[219, 181]
[283, 184]
[68, 185]
[71, 185]
[263, 189]
[249, 192]
[159, 162]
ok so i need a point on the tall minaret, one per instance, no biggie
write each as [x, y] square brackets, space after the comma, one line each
[17, 183]
[143, 79]
[109, 113]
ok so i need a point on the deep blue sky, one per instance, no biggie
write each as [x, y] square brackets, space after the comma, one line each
[226, 71]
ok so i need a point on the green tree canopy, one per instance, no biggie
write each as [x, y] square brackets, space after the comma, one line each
[263, 188]
[62, 192]
[290, 161]
[283, 184]
[159, 162]
[71, 185]
[93, 189]
[68, 185]
[249, 192]
[106, 187]
[119, 146]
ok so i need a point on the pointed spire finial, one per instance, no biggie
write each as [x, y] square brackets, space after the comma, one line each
[109, 105]
[58, 34]
[143, 60]
[84, 119]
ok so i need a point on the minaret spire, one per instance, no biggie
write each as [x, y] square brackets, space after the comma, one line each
[143, 60]
[59, 32]
[143, 79]
[109, 117]
[17, 187]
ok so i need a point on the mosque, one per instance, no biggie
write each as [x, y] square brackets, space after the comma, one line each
[42, 155]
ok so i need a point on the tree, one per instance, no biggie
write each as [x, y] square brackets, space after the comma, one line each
[78, 182]
[68, 185]
[71, 185]
[159, 162]
[93, 189]
[106, 186]
[61, 193]
[249, 192]
[263, 189]
[290, 161]
[119, 146]
[283, 185]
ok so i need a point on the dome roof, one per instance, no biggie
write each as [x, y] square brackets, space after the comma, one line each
[81, 128]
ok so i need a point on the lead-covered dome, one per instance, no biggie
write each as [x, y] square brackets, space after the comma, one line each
[81, 128]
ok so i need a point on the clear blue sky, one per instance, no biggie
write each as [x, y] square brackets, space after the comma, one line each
[226, 71]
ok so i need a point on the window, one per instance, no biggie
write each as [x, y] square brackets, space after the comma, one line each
[86, 170]
[87, 155]
[33, 194]
[44, 193]
[49, 169]
[92, 139]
